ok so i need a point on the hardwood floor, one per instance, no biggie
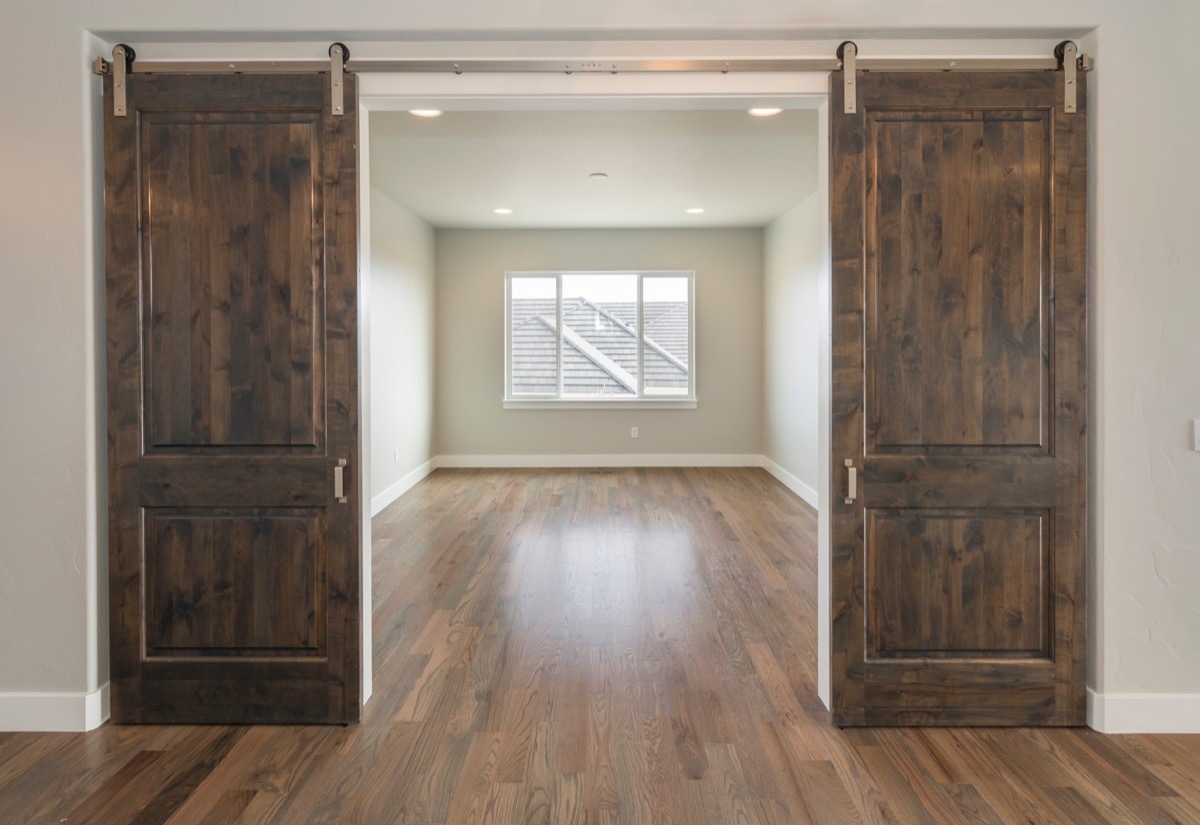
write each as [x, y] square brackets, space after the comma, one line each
[596, 646]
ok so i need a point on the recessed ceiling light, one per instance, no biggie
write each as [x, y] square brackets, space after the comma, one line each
[764, 111]
[425, 112]
[695, 210]
[598, 176]
[502, 210]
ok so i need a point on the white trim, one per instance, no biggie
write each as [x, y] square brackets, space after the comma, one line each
[824, 414]
[600, 460]
[792, 482]
[54, 712]
[366, 610]
[95, 409]
[539, 92]
[386, 496]
[550, 403]
[1143, 712]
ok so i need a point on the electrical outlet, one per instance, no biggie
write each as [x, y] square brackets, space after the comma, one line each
[633, 432]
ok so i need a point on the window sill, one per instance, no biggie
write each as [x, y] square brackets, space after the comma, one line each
[599, 404]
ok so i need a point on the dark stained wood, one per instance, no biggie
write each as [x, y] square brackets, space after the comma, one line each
[645, 571]
[215, 481]
[958, 238]
[232, 344]
[233, 348]
[979, 584]
[957, 293]
[847, 209]
[903, 481]
[253, 589]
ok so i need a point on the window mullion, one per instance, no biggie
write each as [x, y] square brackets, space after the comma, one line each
[691, 307]
[508, 342]
[641, 343]
[558, 326]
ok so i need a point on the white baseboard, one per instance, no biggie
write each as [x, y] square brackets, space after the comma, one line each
[793, 483]
[603, 460]
[1143, 712]
[393, 492]
[54, 712]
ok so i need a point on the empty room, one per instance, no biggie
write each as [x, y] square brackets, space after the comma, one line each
[510, 413]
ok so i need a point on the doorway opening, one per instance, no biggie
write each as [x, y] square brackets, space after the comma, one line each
[428, 274]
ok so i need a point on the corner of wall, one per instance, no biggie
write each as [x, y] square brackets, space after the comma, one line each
[787, 479]
[95, 408]
[1096, 385]
[380, 500]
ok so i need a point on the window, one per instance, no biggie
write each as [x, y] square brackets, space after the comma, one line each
[599, 338]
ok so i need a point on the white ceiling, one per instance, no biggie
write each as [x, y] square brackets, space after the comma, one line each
[453, 170]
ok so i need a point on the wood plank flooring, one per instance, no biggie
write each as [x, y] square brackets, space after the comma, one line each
[596, 647]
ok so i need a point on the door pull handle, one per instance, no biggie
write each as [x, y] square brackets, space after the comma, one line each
[339, 481]
[851, 481]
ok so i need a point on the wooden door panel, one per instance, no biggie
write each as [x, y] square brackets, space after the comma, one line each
[234, 583]
[986, 480]
[962, 693]
[958, 290]
[958, 211]
[230, 222]
[215, 481]
[953, 583]
[233, 270]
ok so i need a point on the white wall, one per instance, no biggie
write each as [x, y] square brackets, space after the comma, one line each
[470, 304]
[1145, 525]
[402, 349]
[792, 272]
[1145, 383]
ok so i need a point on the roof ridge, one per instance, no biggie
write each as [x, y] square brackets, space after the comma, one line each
[590, 352]
[650, 342]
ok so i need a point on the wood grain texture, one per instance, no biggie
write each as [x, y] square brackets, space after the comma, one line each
[231, 281]
[254, 587]
[957, 302]
[233, 352]
[958, 297]
[955, 583]
[484, 583]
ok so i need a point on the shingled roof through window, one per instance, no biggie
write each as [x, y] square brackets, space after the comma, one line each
[599, 347]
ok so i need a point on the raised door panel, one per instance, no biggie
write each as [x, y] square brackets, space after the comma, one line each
[957, 304]
[235, 583]
[957, 584]
[232, 271]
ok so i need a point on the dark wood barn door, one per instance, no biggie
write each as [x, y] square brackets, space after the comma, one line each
[958, 206]
[230, 223]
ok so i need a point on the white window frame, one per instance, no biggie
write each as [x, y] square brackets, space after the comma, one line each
[557, 400]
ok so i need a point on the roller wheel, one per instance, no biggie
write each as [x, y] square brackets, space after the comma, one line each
[345, 51]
